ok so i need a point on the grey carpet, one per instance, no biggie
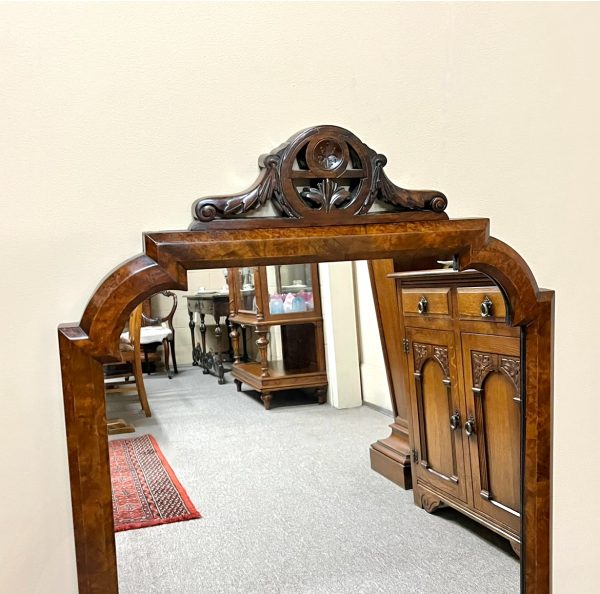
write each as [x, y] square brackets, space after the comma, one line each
[290, 504]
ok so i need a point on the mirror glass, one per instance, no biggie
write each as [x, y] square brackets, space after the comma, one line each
[291, 499]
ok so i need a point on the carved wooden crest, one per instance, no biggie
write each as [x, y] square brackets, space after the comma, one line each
[324, 172]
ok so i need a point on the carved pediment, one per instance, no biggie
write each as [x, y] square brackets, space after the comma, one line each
[324, 172]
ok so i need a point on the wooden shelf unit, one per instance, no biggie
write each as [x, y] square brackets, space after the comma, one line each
[263, 297]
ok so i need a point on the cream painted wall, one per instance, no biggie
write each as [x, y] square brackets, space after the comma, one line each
[336, 282]
[373, 377]
[114, 117]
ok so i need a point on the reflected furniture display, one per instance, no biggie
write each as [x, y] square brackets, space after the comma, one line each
[215, 304]
[286, 296]
[464, 381]
[157, 332]
[117, 377]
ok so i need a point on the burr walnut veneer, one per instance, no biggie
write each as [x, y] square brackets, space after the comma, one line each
[326, 186]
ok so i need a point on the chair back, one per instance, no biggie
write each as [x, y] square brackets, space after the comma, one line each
[149, 321]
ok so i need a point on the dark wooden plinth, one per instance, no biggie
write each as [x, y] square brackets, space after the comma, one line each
[390, 457]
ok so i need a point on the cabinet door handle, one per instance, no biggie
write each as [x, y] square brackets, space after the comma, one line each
[470, 426]
[486, 307]
[422, 305]
[455, 420]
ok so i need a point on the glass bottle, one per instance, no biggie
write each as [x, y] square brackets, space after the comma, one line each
[276, 304]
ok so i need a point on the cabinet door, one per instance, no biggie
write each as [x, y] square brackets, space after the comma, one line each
[492, 368]
[435, 406]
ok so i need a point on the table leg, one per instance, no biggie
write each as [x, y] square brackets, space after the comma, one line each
[229, 331]
[218, 331]
[205, 369]
[192, 326]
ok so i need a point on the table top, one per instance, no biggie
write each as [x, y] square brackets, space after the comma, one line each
[207, 295]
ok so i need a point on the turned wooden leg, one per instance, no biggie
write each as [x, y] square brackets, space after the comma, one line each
[218, 331]
[322, 395]
[166, 354]
[238, 385]
[172, 342]
[192, 326]
[203, 356]
[266, 398]
[262, 342]
[139, 383]
[229, 327]
[234, 336]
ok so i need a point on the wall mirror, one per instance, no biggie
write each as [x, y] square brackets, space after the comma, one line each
[333, 202]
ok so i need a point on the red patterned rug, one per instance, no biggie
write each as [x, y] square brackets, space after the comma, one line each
[145, 490]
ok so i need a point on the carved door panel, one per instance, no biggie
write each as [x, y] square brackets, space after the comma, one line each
[492, 368]
[436, 410]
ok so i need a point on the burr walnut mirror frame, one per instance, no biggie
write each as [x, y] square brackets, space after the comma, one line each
[330, 200]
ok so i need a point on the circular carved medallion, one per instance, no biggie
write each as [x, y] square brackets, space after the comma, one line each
[332, 172]
[328, 154]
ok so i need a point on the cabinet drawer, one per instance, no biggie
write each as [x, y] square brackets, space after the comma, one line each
[424, 302]
[481, 303]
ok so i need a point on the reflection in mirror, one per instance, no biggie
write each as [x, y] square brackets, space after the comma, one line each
[464, 387]
[289, 499]
[290, 288]
[246, 289]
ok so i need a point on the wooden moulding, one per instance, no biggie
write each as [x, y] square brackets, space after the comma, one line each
[417, 233]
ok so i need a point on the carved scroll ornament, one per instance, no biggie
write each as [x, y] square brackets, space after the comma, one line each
[422, 352]
[485, 363]
[318, 172]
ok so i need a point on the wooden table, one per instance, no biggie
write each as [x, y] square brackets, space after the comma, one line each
[215, 304]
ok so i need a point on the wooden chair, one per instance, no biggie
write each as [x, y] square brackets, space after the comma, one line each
[131, 365]
[157, 332]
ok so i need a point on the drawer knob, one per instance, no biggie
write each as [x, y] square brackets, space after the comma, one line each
[422, 305]
[455, 420]
[486, 307]
[470, 426]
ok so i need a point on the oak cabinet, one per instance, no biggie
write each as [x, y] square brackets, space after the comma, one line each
[464, 376]
[493, 403]
[438, 455]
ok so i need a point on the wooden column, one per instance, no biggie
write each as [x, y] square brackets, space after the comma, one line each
[391, 456]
